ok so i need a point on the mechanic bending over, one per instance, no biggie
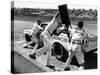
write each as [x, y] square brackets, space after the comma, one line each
[45, 36]
[75, 46]
[35, 32]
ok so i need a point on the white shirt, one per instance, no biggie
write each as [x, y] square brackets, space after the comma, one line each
[35, 28]
[78, 34]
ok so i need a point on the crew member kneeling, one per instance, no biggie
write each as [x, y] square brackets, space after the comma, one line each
[35, 35]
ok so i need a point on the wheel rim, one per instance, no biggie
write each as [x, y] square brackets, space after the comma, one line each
[57, 50]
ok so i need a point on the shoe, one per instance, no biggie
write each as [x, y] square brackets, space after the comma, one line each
[33, 56]
[81, 68]
[25, 46]
[67, 69]
[50, 66]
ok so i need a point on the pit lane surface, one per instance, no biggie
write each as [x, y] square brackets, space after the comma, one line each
[90, 59]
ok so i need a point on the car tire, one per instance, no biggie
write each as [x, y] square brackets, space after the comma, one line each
[59, 52]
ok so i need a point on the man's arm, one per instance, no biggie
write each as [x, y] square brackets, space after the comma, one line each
[56, 15]
[40, 28]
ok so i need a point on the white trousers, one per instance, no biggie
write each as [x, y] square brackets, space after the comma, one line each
[45, 36]
[74, 49]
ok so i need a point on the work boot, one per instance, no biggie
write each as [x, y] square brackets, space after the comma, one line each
[25, 46]
[81, 66]
[50, 66]
[67, 69]
[33, 56]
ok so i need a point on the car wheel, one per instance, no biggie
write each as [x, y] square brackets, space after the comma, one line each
[59, 52]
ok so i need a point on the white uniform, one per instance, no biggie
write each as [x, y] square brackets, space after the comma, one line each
[36, 28]
[78, 34]
[75, 46]
[48, 31]
[45, 36]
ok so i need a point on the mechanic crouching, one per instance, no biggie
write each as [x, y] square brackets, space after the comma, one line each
[35, 35]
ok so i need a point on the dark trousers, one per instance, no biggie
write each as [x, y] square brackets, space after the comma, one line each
[28, 37]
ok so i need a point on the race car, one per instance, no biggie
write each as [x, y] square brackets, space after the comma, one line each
[60, 42]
